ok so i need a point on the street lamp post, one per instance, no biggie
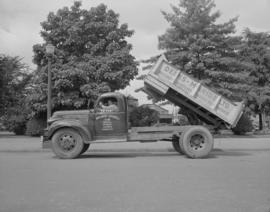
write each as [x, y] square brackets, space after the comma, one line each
[49, 51]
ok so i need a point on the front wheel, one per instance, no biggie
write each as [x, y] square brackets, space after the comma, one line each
[67, 143]
[197, 142]
[85, 148]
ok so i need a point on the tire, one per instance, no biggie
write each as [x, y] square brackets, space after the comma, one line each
[67, 143]
[85, 148]
[181, 145]
[176, 145]
[197, 142]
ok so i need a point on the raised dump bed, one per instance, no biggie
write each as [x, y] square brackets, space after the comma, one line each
[166, 81]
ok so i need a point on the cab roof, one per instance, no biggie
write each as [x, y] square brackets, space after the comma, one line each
[113, 94]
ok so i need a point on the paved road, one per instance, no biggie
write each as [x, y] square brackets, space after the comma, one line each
[135, 177]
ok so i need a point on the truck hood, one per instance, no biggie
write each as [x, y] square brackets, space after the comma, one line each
[69, 114]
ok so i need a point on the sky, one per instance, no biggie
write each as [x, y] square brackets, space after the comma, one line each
[20, 23]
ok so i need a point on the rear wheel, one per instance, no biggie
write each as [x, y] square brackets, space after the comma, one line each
[176, 145]
[197, 142]
[67, 143]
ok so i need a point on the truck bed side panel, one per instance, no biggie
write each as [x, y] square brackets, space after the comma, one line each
[164, 77]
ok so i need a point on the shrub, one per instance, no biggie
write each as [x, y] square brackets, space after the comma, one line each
[16, 124]
[35, 127]
[243, 126]
[2, 127]
[183, 120]
[143, 116]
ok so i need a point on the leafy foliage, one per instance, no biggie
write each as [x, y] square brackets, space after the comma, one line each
[243, 126]
[16, 123]
[196, 44]
[92, 56]
[35, 126]
[14, 78]
[235, 66]
[143, 116]
[256, 51]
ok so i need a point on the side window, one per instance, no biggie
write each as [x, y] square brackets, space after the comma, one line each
[108, 104]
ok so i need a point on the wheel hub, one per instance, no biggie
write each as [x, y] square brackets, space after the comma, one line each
[67, 142]
[197, 142]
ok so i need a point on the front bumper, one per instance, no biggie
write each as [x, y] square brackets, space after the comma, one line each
[46, 142]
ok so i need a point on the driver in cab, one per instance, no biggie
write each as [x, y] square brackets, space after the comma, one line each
[111, 107]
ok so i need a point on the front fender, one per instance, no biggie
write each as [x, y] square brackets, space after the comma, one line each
[74, 124]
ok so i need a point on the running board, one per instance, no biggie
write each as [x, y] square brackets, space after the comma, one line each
[120, 140]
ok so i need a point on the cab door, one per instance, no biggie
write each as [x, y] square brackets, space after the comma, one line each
[110, 124]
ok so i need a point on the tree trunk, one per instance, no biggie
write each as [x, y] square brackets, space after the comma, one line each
[260, 121]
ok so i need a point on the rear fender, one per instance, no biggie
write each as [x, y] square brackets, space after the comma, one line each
[74, 124]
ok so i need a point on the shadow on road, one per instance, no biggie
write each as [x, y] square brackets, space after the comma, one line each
[127, 154]
[230, 153]
[216, 153]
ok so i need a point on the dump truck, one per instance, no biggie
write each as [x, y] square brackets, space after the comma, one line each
[70, 133]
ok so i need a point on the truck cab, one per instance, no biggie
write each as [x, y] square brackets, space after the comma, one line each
[109, 122]
[100, 124]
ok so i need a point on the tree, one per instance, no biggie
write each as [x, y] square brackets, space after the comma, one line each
[208, 51]
[256, 52]
[92, 56]
[14, 79]
[196, 44]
